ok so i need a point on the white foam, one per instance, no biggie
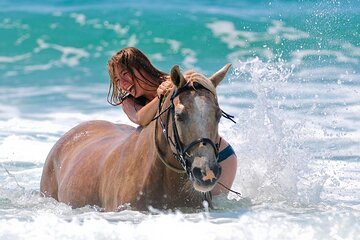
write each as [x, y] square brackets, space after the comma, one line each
[234, 38]
[30, 140]
[82, 20]
[351, 49]
[8, 111]
[190, 58]
[228, 34]
[16, 148]
[117, 28]
[8, 23]
[23, 125]
[265, 53]
[22, 38]
[279, 31]
[252, 224]
[157, 57]
[132, 41]
[341, 57]
[39, 67]
[70, 56]
[79, 18]
[275, 163]
[328, 72]
[16, 58]
[27, 140]
[174, 44]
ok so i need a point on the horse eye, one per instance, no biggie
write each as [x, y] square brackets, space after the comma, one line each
[180, 113]
[180, 116]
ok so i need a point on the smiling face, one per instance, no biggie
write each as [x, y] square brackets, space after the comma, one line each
[126, 83]
[137, 83]
[131, 66]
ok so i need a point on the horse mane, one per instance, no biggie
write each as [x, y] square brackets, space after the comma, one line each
[192, 76]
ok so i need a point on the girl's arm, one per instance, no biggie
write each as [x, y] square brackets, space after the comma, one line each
[143, 116]
[146, 113]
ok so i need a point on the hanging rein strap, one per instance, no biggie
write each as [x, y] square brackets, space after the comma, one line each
[164, 131]
[228, 116]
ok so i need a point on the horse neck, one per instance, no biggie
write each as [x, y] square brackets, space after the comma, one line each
[171, 168]
[161, 141]
[150, 147]
[175, 182]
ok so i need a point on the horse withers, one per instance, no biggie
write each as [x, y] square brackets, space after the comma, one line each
[170, 163]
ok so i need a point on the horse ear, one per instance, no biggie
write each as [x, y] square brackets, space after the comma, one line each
[217, 77]
[176, 77]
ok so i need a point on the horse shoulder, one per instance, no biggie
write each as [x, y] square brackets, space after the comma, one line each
[125, 173]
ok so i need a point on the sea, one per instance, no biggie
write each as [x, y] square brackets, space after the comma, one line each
[294, 89]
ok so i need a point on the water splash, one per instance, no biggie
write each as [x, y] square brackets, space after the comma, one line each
[274, 163]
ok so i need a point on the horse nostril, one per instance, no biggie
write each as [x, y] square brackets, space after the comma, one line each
[197, 172]
[202, 144]
[208, 175]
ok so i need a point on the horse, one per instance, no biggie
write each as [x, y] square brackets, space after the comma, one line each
[170, 163]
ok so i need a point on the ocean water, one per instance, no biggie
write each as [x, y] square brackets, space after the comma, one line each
[294, 89]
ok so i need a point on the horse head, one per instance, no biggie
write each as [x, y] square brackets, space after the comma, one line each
[192, 125]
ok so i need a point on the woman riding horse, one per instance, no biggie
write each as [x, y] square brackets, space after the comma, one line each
[168, 163]
[137, 85]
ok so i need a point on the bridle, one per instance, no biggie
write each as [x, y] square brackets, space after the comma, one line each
[181, 152]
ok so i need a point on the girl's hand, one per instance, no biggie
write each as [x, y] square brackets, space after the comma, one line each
[164, 87]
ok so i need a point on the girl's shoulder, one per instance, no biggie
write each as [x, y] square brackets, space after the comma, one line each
[135, 103]
[141, 101]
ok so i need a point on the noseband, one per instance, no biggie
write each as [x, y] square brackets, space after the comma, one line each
[181, 154]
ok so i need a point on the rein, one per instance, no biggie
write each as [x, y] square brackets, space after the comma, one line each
[164, 131]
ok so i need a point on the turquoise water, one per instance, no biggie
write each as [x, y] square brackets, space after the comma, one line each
[294, 88]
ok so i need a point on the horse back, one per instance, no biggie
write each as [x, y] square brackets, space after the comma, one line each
[73, 167]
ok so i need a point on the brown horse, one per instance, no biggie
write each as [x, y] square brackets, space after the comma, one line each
[167, 164]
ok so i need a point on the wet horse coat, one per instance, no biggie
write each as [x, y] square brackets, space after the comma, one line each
[109, 165]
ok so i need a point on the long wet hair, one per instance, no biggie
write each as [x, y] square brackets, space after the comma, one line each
[128, 59]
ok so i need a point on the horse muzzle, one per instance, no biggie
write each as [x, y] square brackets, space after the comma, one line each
[205, 178]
